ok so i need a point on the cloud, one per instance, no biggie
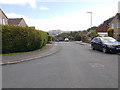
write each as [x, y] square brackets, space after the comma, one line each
[32, 3]
[27, 19]
[44, 8]
[14, 15]
[78, 20]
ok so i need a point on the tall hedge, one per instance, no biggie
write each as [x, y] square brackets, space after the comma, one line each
[22, 39]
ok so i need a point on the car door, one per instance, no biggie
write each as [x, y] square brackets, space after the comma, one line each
[99, 44]
[93, 42]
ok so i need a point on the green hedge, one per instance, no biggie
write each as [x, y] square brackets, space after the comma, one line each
[50, 38]
[22, 39]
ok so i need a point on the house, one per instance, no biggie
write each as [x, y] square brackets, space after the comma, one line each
[17, 21]
[102, 29]
[3, 18]
[115, 24]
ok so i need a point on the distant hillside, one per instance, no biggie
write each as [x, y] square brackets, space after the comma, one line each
[56, 32]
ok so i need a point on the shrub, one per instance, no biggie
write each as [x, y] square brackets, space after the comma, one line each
[50, 38]
[92, 34]
[110, 32]
[77, 37]
[22, 39]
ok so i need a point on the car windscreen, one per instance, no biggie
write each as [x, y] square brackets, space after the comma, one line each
[108, 40]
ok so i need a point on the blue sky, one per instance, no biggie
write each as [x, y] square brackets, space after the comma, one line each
[67, 16]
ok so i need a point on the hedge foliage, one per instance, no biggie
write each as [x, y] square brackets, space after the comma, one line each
[110, 32]
[22, 39]
[50, 38]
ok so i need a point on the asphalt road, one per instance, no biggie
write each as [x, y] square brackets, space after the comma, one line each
[74, 66]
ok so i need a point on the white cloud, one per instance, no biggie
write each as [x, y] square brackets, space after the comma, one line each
[32, 3]
[79, 20]
[27, 19]
[13, 15]
[44, 8]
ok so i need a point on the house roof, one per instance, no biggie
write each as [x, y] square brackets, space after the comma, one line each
[106, 22]
[3, 13]
[105, 26]
[14, 21]
[102, 28]
[118, 14]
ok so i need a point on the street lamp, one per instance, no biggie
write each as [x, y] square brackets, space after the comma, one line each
[91, 18]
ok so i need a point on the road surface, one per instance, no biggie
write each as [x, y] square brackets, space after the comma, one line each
[74, 66]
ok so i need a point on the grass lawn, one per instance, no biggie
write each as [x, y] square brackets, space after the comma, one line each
[43, 48]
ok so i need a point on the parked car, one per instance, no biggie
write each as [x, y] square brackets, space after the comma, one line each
[66, 40]
[105, 44]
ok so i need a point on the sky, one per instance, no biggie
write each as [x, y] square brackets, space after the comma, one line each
[66, 15]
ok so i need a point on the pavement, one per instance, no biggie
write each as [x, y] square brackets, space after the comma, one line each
[13, 59]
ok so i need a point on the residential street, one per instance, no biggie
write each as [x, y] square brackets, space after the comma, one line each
[73, 66]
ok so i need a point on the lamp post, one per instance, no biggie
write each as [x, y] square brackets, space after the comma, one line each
[91, 18]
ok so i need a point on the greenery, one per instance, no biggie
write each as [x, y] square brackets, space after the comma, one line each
[41, 49]
[78, 37]
[50, 37]
[85, 35]
[92, 28]
[110, 32]
[22, 39]
[92, 34]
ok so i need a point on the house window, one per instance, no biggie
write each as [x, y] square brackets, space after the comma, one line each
[2, 21]
[118, 25]
[112, 26]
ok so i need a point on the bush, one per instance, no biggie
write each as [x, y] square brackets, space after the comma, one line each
[92, 34]
[22, 39]
[110, 32]
[50, 38]
[77, 37]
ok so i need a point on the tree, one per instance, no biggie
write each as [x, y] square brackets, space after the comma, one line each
[110, 32]
[77, 37]
[92, 34]
[92, 28]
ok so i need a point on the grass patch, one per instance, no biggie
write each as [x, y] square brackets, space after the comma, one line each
[43, 48]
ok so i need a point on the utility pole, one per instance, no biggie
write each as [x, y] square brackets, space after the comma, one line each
[90, 19]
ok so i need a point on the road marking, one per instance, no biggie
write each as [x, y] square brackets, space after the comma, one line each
[96, 65]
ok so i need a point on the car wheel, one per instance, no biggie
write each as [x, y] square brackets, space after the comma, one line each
[92, 47]
[104, 50]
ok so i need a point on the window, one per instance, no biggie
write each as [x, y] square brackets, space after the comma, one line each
[2, 21]
[98, 40]
[118, 25]
[112, 26]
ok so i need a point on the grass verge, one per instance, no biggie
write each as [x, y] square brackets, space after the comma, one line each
[43, 48]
